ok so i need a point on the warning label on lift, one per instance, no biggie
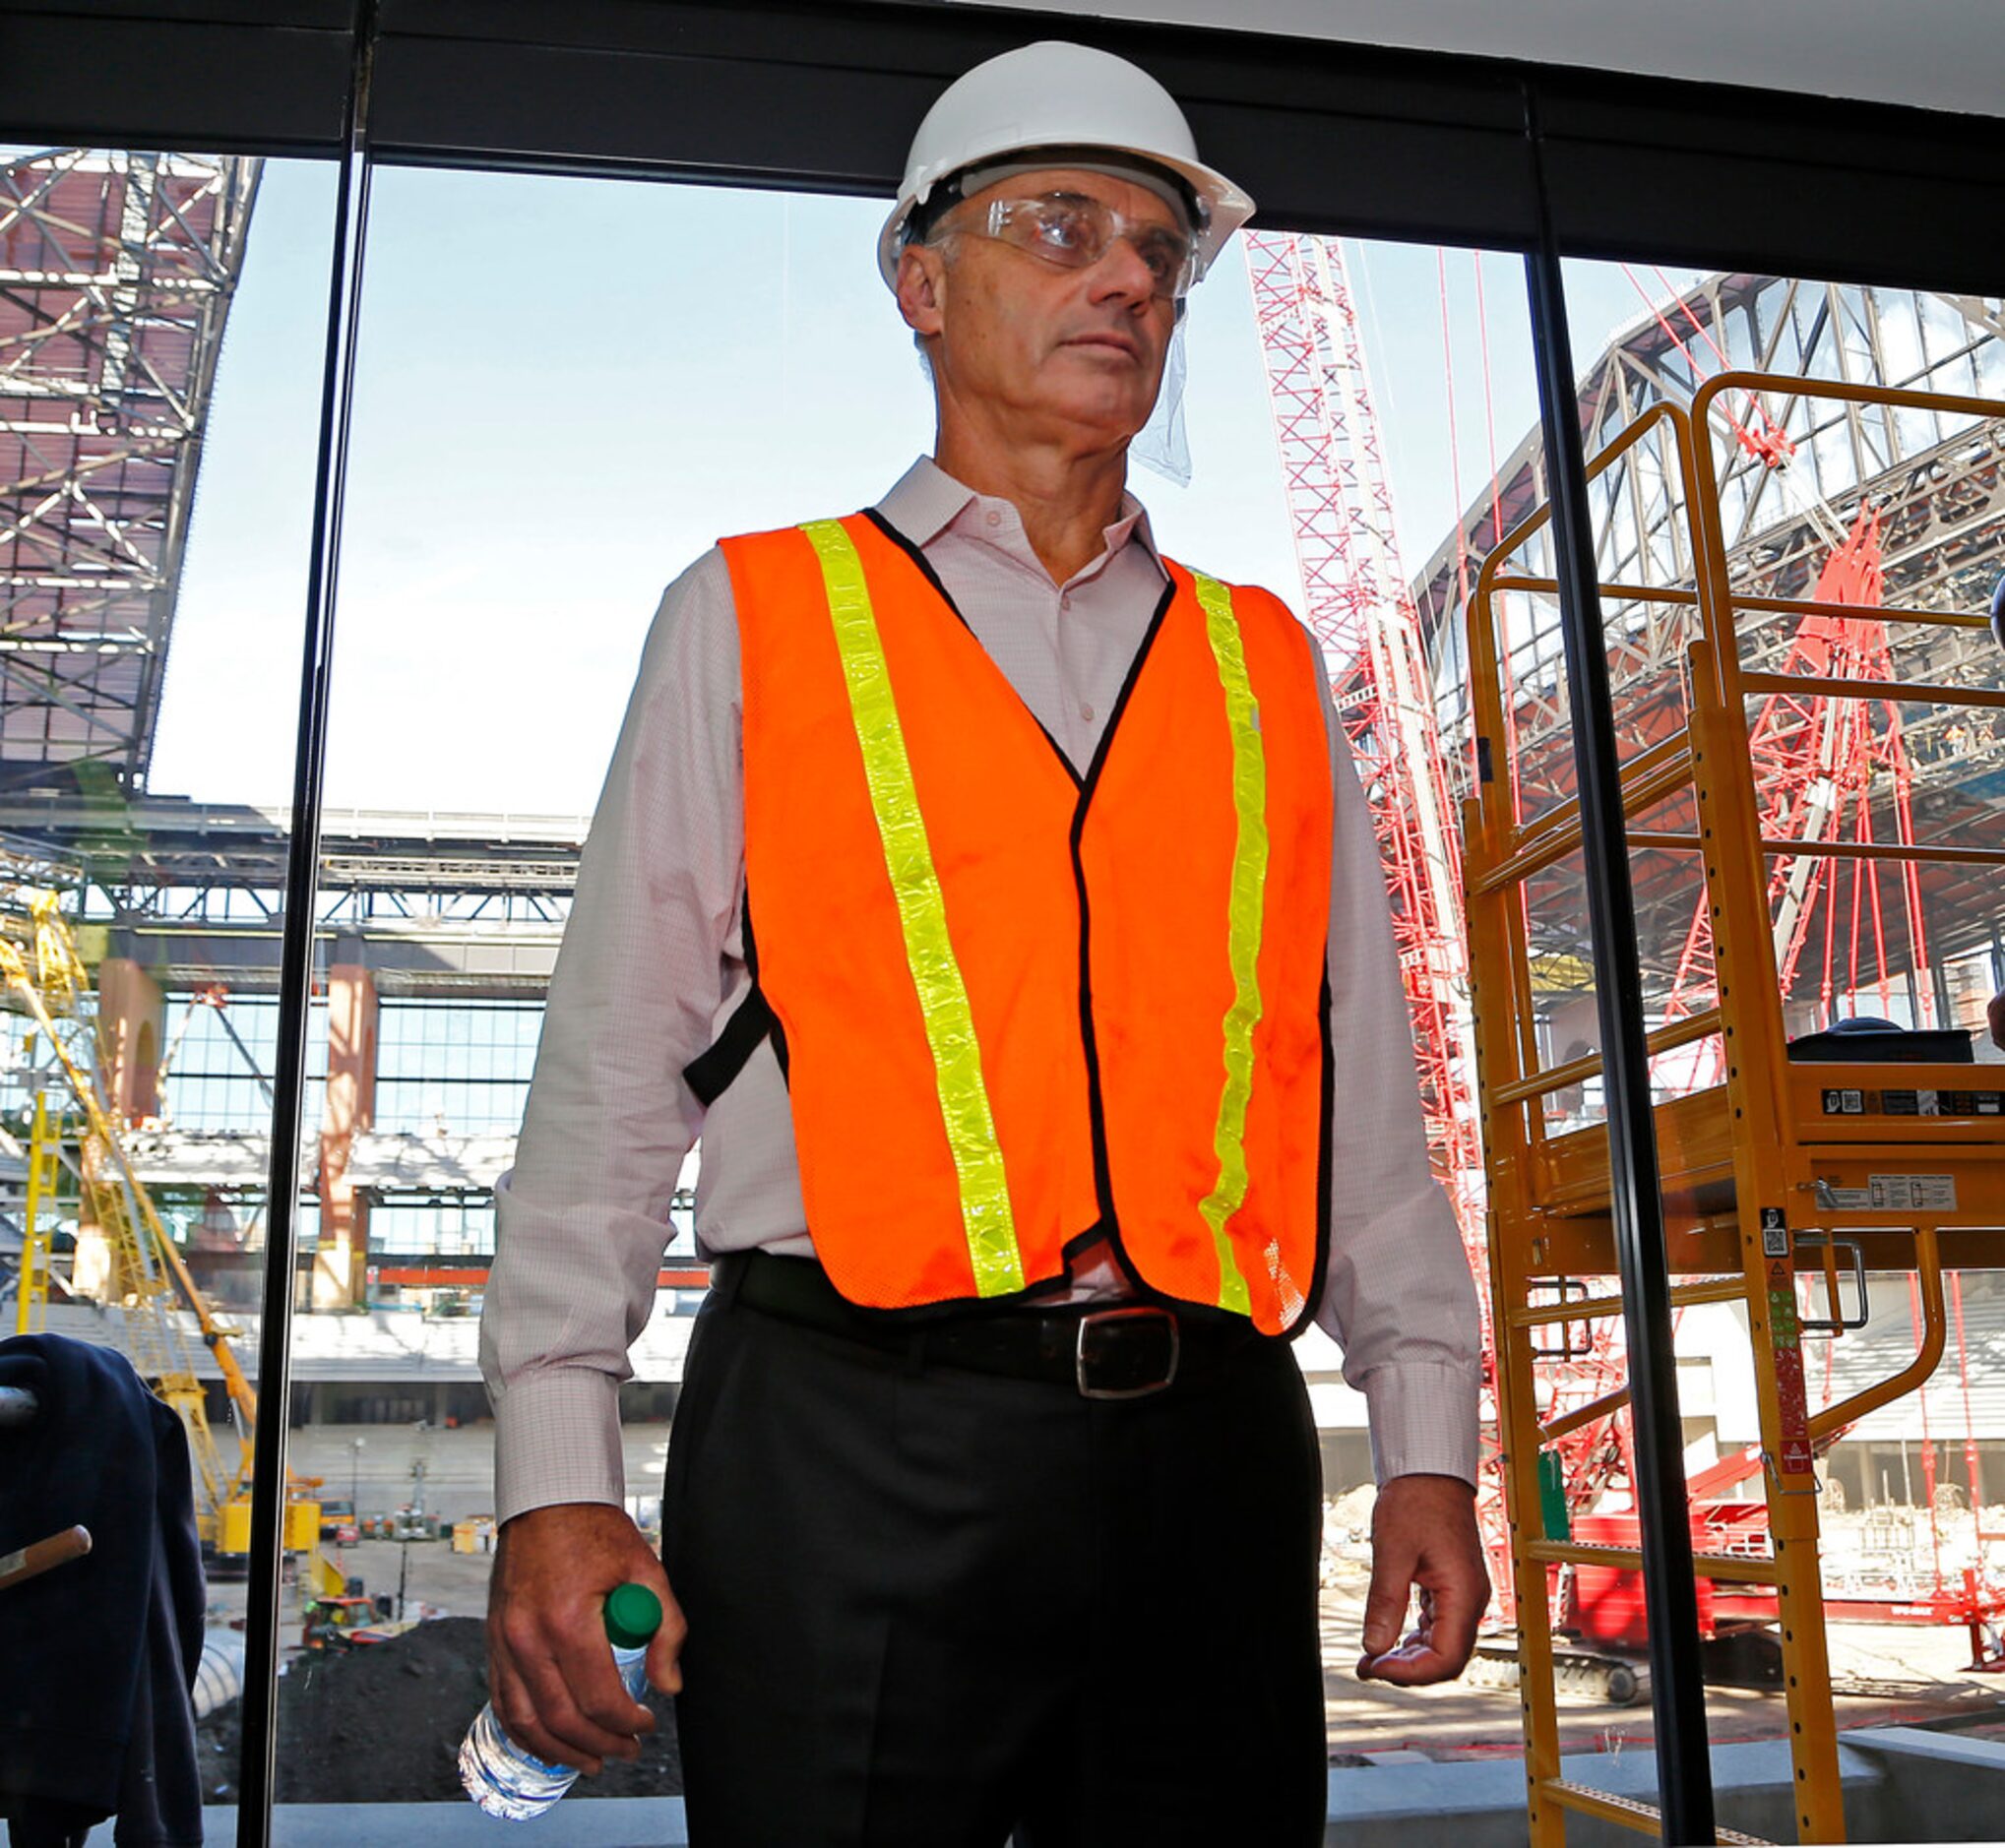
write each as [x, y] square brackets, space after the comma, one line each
[1796, 1463]
[1918, 1193]
[1914, 1103]
[1891, 1193]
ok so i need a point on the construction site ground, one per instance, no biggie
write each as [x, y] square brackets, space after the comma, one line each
[1882, 1675]
[379, 1725]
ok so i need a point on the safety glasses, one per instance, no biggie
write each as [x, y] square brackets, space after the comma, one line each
[1074, 231]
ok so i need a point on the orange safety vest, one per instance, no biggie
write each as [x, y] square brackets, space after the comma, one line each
[1017, 1008]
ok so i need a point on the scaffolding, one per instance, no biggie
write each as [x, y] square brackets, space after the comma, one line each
[166, 1316]
[1784, 1171]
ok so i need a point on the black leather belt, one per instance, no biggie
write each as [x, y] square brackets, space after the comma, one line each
[1127, 1351]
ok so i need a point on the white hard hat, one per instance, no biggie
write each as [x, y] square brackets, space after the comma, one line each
[1059, 96]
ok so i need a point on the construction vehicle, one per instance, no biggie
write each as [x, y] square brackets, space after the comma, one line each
[1786, 1162]
[148, 1277]
[335, 1610]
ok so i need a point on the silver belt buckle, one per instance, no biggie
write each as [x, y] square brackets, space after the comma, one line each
[1083, 1351]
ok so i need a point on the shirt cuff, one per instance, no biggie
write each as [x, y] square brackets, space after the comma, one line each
[1423, 1420]
[557, 1438]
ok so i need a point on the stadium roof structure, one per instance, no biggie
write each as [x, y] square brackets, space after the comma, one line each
[1794, 474]
[447, 902]
[116, 273]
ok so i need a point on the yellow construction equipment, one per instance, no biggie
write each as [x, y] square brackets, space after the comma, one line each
[149, 1276]
[1764, 1177]
[45, 1178]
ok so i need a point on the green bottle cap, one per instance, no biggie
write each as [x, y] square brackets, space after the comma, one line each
[633, 1614]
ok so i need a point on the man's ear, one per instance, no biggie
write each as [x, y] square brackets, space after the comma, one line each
[921, 287]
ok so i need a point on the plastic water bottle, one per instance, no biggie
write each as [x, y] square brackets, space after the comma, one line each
[509, 1782]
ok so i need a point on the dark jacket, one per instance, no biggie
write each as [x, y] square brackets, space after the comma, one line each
[98, 1656]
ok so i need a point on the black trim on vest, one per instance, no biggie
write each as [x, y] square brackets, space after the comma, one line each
[1103, 1177]
[775, 1031]
[710, 1073]
[1105, 1226]
[1326, 1159]
[963, 1308]
[932, 576]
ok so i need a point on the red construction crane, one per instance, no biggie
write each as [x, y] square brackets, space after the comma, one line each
[1359, 608]
[1357, 604]
[1823, 768]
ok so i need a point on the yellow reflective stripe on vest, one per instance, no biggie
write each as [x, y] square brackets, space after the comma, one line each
[985, 1216]
[1247, 907]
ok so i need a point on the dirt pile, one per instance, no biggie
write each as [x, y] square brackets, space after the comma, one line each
[383, 1724]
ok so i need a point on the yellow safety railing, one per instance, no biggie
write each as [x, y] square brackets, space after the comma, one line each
[1751, 1165]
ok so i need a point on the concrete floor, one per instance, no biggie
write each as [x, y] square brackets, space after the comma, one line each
[459, 1465]
[1884, 1673]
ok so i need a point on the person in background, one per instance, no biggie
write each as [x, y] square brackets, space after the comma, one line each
[995, 897]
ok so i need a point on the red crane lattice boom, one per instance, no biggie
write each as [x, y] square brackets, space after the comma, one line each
[1357, 604]
[1359, 607]
[1820, 765]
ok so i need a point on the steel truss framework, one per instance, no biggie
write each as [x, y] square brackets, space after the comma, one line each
[444, 903]
[1796, 474]
[116, 273]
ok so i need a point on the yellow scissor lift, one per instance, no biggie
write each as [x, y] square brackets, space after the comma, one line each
[1759, 1180]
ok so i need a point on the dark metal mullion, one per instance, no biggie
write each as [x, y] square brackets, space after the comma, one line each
[295, 966]
[1636, 1201]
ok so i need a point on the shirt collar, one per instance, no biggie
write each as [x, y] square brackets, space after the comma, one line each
[926, 500]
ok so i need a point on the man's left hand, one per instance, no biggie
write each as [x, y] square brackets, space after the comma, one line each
[1423, 1534]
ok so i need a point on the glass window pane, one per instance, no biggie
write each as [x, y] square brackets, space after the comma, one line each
[519, 494]
[161, 341]
[1819, 561]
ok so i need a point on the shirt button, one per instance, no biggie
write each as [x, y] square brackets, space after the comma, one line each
[1065, 602]
[1085, 713]
[995, 519]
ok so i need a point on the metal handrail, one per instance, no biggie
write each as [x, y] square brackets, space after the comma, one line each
[1685, 1031]
[1486, 705]
[1934, 1327]
[1648, 778]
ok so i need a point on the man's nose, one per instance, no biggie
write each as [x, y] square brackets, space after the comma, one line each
[1122, 273]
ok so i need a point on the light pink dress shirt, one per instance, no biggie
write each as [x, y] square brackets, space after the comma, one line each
[653, 965]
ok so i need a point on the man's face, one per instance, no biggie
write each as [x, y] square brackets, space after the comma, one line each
[1042, 351]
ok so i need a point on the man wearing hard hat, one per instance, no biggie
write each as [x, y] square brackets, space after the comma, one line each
[996, 898]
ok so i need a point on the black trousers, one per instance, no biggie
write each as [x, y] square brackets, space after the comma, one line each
[936, 1609]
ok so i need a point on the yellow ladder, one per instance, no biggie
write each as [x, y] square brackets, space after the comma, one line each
[1760, 1180]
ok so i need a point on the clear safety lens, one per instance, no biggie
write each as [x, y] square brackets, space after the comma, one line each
[1074, 231]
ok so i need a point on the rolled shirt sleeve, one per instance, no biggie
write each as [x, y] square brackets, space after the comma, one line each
[583, 1220]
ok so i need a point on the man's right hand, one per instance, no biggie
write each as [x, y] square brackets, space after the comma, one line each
[549, 1671]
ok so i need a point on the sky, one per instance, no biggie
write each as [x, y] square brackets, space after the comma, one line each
[567, 390]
